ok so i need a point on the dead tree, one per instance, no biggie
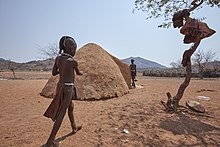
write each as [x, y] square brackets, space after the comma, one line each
[201, 60]
[194, 37]
[11, 67]
[49, 52]
[186, 62]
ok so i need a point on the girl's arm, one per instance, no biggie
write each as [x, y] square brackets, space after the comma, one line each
[55, 69]
[77, 69]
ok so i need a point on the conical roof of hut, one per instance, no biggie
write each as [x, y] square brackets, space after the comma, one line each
[104, 76]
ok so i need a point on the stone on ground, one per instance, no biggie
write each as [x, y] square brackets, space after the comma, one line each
[195, 106]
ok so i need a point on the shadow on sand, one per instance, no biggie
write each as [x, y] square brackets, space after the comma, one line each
[188, 126]
[58, 140]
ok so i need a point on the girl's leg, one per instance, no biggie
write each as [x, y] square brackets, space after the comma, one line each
[71, 115]
[72, 120]
[66, 102]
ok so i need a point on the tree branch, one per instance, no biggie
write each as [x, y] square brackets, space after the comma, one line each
[195, 5]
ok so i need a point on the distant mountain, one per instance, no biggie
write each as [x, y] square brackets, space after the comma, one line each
[142, 63]
[46, 65]
[39, 65]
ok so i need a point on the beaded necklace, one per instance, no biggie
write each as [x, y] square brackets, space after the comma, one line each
[65, 54]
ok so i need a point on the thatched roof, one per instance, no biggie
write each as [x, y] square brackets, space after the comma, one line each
[105, 76]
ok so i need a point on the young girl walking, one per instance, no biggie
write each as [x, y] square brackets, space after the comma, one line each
[66, 67]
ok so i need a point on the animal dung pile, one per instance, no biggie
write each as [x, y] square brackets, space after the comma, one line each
[104, 76]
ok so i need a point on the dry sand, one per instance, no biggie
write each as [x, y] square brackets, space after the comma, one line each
[22, 123]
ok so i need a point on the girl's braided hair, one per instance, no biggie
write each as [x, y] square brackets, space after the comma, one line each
[62, 43]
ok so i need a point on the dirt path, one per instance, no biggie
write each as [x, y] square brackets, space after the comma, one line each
[139, 112]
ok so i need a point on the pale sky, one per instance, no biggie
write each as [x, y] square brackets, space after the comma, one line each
[25, 24]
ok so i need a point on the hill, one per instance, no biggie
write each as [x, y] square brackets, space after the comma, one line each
[36, 65]
[142, 63]
[46, 65]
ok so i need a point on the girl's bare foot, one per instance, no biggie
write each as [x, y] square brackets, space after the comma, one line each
[75, 129]
[52, 144]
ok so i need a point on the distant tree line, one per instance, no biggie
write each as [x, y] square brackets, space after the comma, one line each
[204, 66]
[173, 72]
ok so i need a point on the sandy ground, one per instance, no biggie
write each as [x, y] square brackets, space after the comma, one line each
[140, 113]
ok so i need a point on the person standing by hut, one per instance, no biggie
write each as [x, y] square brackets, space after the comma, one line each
[133, 73]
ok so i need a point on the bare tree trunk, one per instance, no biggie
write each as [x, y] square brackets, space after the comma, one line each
[201, 73]
[183, 86]
[186, 62]
[13, 73]
[173, 103]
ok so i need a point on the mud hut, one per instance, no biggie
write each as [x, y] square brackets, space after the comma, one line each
[104, 76]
